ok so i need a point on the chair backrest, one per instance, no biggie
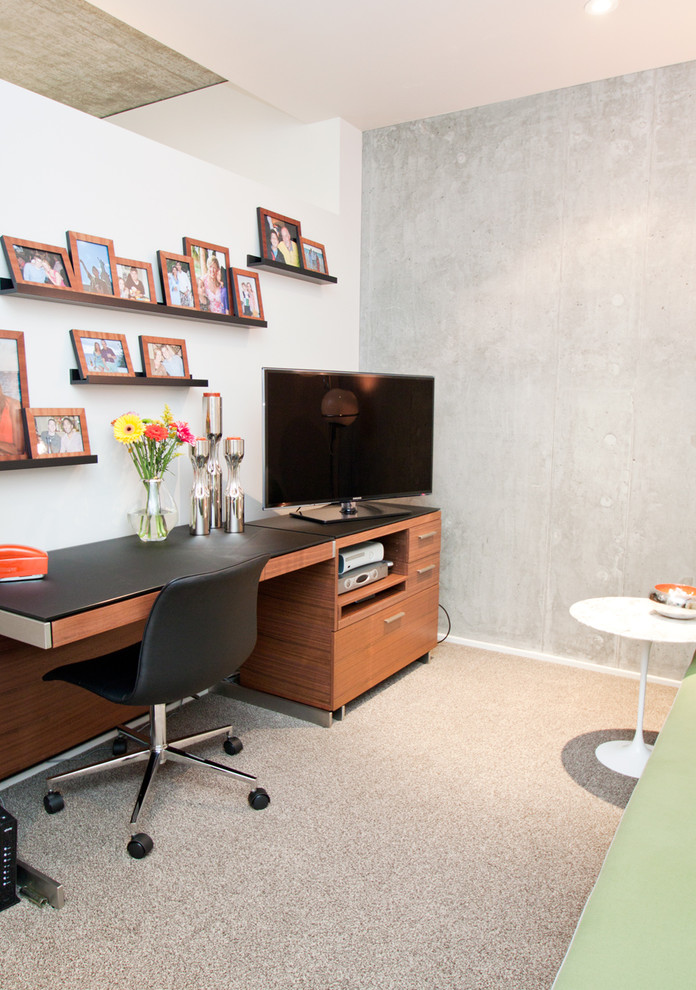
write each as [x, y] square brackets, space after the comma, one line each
[201, 629]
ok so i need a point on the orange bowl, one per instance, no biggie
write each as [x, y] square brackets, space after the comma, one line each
[683, 595]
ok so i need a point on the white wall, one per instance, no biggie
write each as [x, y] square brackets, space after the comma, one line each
[64, 170]
[229, 128]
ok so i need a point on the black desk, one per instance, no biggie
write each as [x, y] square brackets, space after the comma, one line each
[90, 577]
[96, 598]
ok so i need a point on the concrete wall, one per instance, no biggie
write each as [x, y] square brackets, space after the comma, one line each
[539, 258]
[64, 170]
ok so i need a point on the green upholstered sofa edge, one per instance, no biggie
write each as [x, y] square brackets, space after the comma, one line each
[637, 927]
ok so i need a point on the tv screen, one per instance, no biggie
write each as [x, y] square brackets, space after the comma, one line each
[344, 437]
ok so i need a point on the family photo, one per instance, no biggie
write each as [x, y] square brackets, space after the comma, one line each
[178, 280]
[12, 395]
[164, 357]
[247, 294]
[57, 432]
[40, 264]
[211, 267]
[135, 281]
[92, 260]
[280, 237]
[105, 354]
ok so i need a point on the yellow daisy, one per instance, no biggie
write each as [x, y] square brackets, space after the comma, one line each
[128, 428]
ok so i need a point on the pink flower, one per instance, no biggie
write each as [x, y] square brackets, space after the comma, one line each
[183, 433]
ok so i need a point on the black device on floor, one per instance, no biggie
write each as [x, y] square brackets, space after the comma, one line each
[8, 860]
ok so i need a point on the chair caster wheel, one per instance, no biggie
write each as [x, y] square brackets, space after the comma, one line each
[259, 799]
[233, 745]
[119, 746]
[53, 802]
[140, 845]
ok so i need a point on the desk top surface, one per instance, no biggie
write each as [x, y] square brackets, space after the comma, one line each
[95, 574]
[633, 618]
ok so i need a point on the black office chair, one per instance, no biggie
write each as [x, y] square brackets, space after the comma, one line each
[201, 630]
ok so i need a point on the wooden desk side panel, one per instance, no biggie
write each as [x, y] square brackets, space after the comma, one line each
[293, 653]
[44, 718]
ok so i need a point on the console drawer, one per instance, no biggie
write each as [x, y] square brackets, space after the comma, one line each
[368, 651]
[423, 573]
[424, 539]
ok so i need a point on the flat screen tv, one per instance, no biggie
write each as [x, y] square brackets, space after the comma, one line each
[344, 438]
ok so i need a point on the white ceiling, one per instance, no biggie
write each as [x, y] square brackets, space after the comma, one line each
[379, 62]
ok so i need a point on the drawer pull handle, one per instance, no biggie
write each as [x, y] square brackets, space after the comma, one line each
[426, 536]
[424, 570]
[393, 618]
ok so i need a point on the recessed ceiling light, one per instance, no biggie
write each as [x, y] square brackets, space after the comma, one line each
[601, 6]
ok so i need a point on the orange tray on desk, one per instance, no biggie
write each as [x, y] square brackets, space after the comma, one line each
[19, 563]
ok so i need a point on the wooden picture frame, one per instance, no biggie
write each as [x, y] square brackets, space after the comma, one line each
[101, 353]
[246, 293]
[270, 224]
[213, 286]
[313, 256]
[136, 282]
[14, 394]
[175, 288]
[164, 357]
[93, 263]
[56, 432]
[48, 264]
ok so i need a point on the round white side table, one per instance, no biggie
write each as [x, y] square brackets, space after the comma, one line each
[632, 618]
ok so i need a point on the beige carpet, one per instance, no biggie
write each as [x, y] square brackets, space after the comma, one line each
[444, 835]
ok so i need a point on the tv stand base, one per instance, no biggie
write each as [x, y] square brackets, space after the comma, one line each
[348, 511]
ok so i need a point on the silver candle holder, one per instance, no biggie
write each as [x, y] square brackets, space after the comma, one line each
[212, 414]
[200, 490]
[234, 496]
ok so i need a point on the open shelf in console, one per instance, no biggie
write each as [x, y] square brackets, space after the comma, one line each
[368, 598]
[354, 605]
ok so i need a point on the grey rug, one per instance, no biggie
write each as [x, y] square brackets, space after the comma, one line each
[445, 835]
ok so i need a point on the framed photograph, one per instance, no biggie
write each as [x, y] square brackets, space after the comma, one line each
[164, 357]
[211, 266]
[94, 263]
[313, 256]
[135, 280]
[101, 353]
[279, 237]
[56, 432]
[246, 292]
[38, 264]
[14, 393]
[178, 279]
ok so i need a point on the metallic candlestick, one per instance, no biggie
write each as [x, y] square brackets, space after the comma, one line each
[234, 496]
[212, 412]
[200, 490]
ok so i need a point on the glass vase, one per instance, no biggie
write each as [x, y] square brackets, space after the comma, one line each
[156, 513]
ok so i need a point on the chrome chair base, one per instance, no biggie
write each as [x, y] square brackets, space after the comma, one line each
[156, 751]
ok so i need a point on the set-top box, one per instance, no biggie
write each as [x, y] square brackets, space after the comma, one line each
[363, 575]
[359, 555]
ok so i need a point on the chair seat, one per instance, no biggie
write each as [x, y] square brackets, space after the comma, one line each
[111, 676]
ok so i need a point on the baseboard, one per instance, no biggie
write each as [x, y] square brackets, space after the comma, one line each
[564, 661]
